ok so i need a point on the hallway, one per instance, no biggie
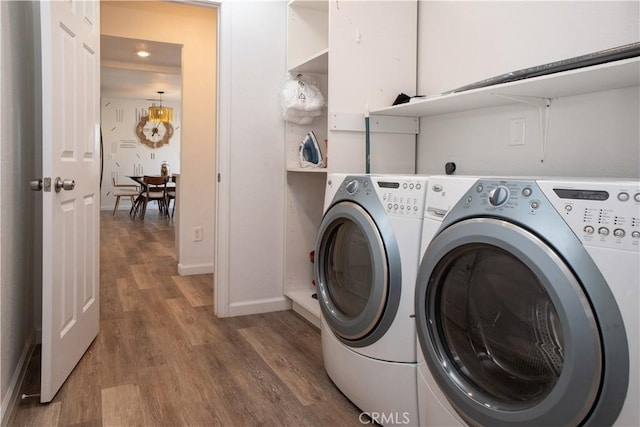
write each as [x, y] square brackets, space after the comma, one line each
[163, 358]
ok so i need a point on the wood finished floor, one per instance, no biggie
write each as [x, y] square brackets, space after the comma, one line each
[163, 358]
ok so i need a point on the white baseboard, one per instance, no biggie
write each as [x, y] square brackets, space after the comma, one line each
[12, 395]
[188, 270]
[259, 306]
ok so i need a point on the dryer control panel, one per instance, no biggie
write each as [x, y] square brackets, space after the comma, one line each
[603, 214]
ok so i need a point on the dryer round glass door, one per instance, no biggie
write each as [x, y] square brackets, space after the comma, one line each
[357, 291]
[505, 327]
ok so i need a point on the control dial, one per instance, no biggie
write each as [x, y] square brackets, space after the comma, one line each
[499, 196]
[352, 186]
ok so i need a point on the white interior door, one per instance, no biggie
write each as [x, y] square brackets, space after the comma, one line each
[71, 151]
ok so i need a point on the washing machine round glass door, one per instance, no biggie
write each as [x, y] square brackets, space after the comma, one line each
[506, 328]
[357, 274]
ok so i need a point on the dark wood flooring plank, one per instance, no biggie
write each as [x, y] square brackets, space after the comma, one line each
[285, 361]
[197, 331]
[128, 294]
[110, 306]
[37, 416]
[198, 290]
[80, 394]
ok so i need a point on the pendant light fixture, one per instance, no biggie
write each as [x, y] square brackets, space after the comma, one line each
[160, 114]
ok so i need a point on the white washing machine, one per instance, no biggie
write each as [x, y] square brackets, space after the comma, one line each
[443, 194]
[367, 256]
[527, 302]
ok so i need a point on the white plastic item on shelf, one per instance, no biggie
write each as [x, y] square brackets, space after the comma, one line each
[301, 99]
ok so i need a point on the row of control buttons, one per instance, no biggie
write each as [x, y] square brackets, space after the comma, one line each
[604, 231]
[404, 200]
[411, 186]
[624, 196]
[395, 207]
[602, 215]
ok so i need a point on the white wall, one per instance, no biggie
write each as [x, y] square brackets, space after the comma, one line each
[589, 135]
[18, 264]
[463, 42]
[252, 152]
[123, 154]
[195, 28]
[372, 59]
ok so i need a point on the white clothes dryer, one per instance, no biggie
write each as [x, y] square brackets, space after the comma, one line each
[527, 303]
[367, 255]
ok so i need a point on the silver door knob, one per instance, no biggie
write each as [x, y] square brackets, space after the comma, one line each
[65, 184]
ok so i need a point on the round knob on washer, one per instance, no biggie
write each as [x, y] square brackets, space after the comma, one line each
[499, 196]
[352, 186]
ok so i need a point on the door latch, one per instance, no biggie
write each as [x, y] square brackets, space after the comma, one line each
[41, 184]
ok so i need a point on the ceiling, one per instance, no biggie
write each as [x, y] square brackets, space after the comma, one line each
[126, 75]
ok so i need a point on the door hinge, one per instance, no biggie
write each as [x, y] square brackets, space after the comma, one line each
[219, 177]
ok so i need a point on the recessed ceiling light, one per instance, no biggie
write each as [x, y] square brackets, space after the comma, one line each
[143, 53]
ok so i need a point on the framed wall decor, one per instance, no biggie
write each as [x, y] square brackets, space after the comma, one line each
[153, 134]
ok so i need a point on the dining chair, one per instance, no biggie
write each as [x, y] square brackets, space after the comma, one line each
[155, 189]
[171, 195]
[124, 190]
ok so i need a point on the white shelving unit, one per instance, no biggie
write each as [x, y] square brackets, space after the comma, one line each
[305, 197]
[611, 75]
[307, 54]
[372, 61]
[307, 35]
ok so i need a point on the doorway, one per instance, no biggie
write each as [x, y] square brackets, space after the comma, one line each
[194, 27]
[136, 75]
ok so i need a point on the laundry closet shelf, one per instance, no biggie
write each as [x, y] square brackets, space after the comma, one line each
[316, 64]
[304, 304]
[311, 4]
[307, 170]
[596, 78]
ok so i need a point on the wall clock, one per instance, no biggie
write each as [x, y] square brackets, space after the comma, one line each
[153, 134]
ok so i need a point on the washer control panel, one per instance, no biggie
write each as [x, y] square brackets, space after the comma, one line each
[401, 196]
[604, 214]
[600, 213]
